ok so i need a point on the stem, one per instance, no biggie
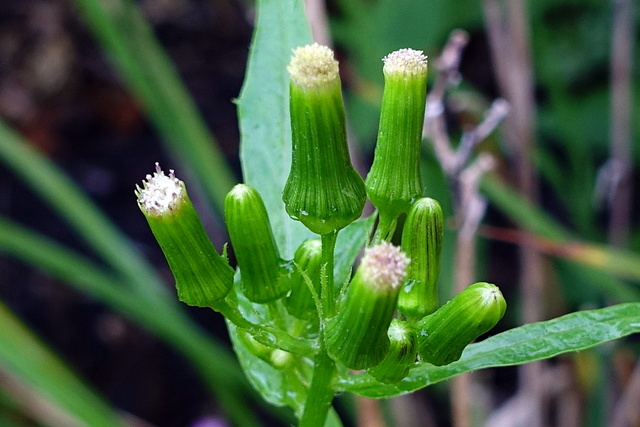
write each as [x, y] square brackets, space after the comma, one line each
[328, 289]
[386, 228]
[266, 335]
[321, 391]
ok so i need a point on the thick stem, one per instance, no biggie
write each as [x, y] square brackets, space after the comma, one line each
[320, 393]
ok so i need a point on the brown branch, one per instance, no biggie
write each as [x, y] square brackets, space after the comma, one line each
[620, 188]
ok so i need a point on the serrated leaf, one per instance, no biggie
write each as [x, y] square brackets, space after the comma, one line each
[263, 109]
[536, 341]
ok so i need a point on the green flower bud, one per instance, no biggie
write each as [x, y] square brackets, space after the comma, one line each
[357, 335]
[203, 277]
[323, 190]
[254, 245]
[402, 353]
[422, 242]
[300, 302]
[277, 358]
[444, 334]
[394, 182]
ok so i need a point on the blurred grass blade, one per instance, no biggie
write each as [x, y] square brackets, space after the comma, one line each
[64, 197]
[24, 356]
[207, 356]
[263, 110]
[535, 341]
[123, 32]
[557, 239]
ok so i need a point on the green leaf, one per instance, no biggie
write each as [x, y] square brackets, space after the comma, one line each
[263, 109]
[168, 324]
[28, 361]
[48, 181]
[536, 341]
[350, 242]
[280, 387]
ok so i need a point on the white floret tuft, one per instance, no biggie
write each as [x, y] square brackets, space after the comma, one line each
[160, 193]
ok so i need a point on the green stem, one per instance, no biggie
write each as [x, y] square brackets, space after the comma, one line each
[386, 228]
[266, 335]
[321, 391]
[328, 297]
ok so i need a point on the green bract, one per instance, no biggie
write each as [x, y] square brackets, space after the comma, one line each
[323, 191]
[357, 335]
[260, 265]
[203, 277]
[444, 334]
[394, 182]
[422, 242]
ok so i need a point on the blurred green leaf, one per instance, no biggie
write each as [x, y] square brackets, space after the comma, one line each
[171, 325]
[535, 341]
[50, 183]
[126, 36]
[26, 358]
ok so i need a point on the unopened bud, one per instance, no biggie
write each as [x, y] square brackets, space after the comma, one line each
[402, 353]
[443, 335]
[308, 259]
[261, 268]
[422, 242]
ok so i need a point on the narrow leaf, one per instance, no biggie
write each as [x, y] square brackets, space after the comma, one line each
[28, 361]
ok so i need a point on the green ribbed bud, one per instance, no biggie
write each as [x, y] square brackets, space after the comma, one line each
[323, 190]
[443, 335]
[402, 353]
[394, 182]
[308, 257]
[203, 277]
[422, 242]
[357, 335]
[261, 268]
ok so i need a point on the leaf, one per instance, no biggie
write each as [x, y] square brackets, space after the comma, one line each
[350, 242]
[25, 359]
[281, 387]
[536, 341]
[263, 109]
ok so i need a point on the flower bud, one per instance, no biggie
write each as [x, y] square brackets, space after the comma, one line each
[323, 191]
[308, 258]
[394, 182]
[443, 335]
[357, 335]
[203, 277]
[253, 243]
[422, 242]
[402, 353]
